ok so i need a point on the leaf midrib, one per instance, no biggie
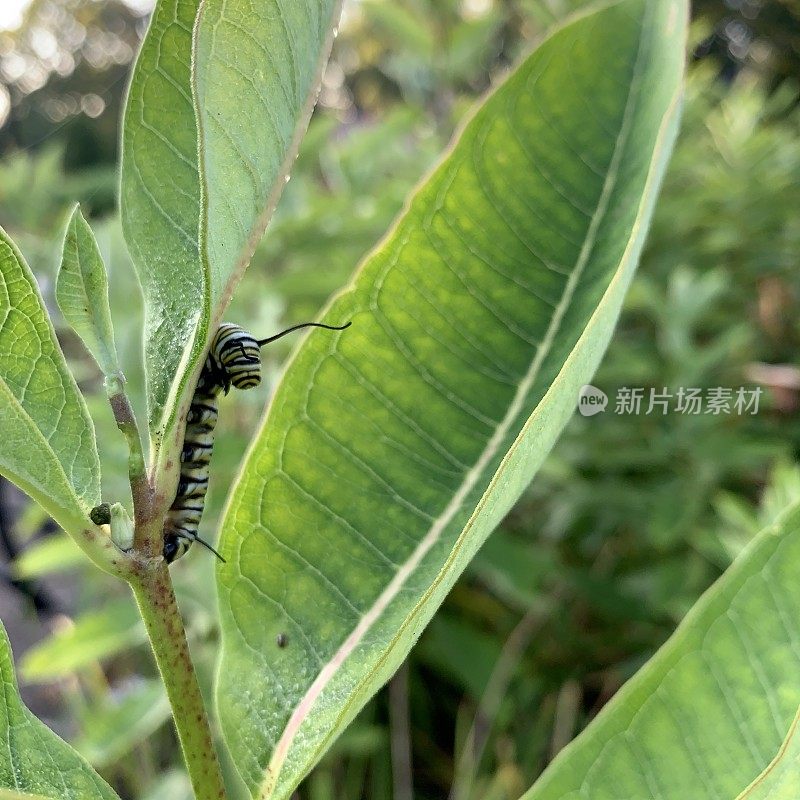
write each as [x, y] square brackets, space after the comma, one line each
[472, 477]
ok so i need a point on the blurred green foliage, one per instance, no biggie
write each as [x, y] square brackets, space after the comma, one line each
[632, 517]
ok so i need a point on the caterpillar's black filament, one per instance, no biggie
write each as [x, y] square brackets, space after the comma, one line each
[233, 360]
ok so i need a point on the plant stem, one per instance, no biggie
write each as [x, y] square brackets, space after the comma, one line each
[152, 588]
[151, 584]
[141, 490]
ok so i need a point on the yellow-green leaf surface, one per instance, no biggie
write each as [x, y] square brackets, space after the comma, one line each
[709, 715]
[392, 449]
[33, 760]
[82, 293]
[781, 777]
[221, 93]
[47, 442]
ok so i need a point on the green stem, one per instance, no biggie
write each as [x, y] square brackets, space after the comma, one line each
[152, 588]
[125, 418]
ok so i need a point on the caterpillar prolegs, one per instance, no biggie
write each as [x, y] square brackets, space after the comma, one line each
[233, 360]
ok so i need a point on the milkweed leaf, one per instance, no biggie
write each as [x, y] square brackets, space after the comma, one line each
[34, 762]
[392, 449]
[47, 441]
[82, 293]
[713, 713]
[191, 234]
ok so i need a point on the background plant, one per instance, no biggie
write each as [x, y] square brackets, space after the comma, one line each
[587, 530]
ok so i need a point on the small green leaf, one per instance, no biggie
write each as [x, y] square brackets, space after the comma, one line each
[47, 442]
[93, 636]
[709, 714]
[392, 449]
[34, 762]
[109, 733]
[220, 96]
[53, 554]
[82, 293]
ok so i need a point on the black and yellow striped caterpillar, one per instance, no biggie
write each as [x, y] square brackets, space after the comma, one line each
[233, 360]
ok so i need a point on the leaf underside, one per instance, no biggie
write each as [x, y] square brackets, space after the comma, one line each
[215, 110]
[391, 450]
[160, 194]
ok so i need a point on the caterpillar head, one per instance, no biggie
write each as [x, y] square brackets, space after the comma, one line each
[174, 547]
[237, 357]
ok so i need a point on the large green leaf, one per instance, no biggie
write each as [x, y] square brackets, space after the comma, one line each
[709, 713]
[160, 194]
[217, 105]
[33, 760]
[391, 450]
[47, 442]
[258, 70]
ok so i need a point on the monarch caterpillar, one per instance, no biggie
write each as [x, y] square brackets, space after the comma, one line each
[233, 360]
